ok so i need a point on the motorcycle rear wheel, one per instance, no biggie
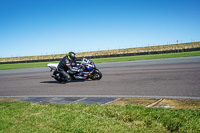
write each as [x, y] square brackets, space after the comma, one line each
[58, 77]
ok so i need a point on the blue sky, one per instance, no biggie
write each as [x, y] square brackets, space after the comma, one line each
[40, 27]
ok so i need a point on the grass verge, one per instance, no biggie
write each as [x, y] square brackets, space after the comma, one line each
[147, 57]
[46, 118]
[101, 60]
[24, 65]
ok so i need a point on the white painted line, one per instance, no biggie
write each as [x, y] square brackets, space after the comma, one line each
[82, 99]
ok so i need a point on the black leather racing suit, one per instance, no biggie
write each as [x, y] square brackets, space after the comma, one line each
[65, 65]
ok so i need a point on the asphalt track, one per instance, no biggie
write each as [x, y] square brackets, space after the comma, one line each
[159, 78]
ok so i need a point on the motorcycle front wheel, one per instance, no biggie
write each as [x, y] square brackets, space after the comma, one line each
[97, 75]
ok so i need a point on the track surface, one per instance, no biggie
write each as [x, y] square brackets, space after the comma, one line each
[162, 78]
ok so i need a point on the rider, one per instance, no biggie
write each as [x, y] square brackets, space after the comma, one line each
[66, 64]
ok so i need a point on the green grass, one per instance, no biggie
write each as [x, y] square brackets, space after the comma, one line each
[147, 57]
[18, 117]
[109, 59]
[24, 65]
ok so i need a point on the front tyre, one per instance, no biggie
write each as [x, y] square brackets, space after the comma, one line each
[97, 75]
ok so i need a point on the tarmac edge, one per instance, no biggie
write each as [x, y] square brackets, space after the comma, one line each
[148, 102]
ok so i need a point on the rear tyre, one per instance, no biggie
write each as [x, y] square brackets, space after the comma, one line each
[97, 75]
[58, 77]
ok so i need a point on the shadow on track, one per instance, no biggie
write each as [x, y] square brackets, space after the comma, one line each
[50, 82]
[56, 82]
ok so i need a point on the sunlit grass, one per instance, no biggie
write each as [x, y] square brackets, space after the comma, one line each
[146, 57]
[24, 65]
[17, 117]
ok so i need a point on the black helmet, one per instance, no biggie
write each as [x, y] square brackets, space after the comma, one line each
[71, 56]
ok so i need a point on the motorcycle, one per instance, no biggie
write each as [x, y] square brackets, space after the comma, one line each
[90, 71]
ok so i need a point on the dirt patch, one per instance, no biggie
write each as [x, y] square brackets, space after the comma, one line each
[134, 101]
[180, 103]
[10, 99]
[159, 103]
